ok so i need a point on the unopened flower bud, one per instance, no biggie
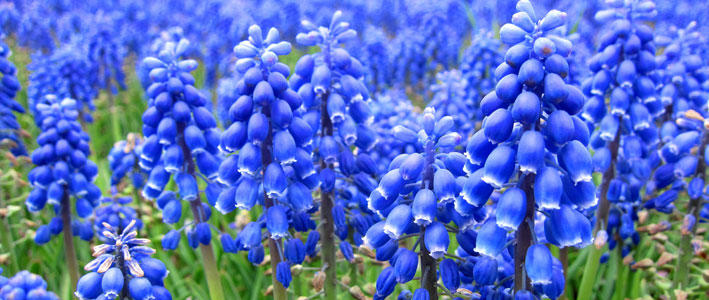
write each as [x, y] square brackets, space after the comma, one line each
[346, 280]
[692, 114]
[318, 281]
[688, 224]
[642, 216]
[369, 288]
[642, 264]
[366, 251]
[357, 293]
[665, 257]
[296, 270]
[601, 239]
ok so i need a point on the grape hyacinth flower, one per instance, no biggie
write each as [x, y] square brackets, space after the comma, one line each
[66, 73]
[530, 122]
[685, 77]
[25, 285]
[418, 196]
[450, 99]
[63, 172]
[123, 160]
[624, 103]
[267, 162]
[105, 57]
[478, 64]
[374, 52]
[408, 65]
[10, 131]
[336, 101]
[442, 31]
[34, 30]
[123, 267]
[181, 142]
[391, 108]
[115, 212]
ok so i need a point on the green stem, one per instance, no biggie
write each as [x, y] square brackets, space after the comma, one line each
[139, 203]
[279, 291]
[607, 276]
[354, 275]
[327, 244]
[429, 278]
[7, 237]
[115, 126]
[588, 279]
[327, 230]
[686, 251]
[297, 285]
[564, 258]
[590, 272]
[214, 283]
[621, 282]
[209, 263]
[69, 252]
[524, 236]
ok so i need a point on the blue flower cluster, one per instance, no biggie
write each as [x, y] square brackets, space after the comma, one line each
[374, 52]
[123, 267]
[683, 79]
[181, 137]
[450, 98]
[408, 63]
[532, 146]
[442, 27]
[478, 64]
[269, 165]
[391, 108]
[123, 160]
[62, 170]
[66, 73]
[115, 212]
[105, 55]
[336, 101]
[626, 136]
[417, 197]
[25, 285]
[9, 86]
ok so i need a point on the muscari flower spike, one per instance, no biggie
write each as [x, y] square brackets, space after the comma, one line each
[66, 73]
[532, 139]
[267, 162]
[419, 195]
[115, 211]
[623, 71]
[450, 98]
[390, 108]
[684, 76]
[62, 170]
[25, 285]
[10, 131]
[123, 160]
[181, 142]
[478, 64]
[123, 266]
[374, 51]
[336, 105]
[106, 54]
